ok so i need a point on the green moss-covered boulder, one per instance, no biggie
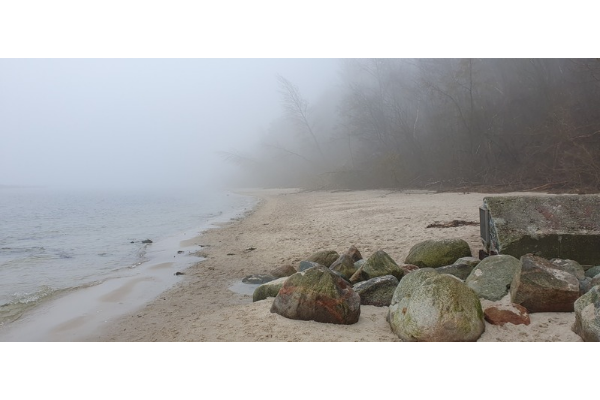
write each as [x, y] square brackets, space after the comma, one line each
[587, 315]
[492, 277]
[269, 289]
[317, 294]
[437, 253]
[379, 264]
[324, 257]
[440, 309]
[344, 266]
[410, 282]
[592, 272]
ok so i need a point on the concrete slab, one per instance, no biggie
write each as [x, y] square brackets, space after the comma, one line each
[562, 226]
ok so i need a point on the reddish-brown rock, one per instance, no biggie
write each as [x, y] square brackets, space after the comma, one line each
[501, 314]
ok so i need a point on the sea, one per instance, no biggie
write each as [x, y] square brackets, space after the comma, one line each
[55, 242]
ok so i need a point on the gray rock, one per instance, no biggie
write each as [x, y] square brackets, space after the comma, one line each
[470, 261]
[269, 289]
[461, 271]
[258, 279]
[585, 285]
[492, 277]
[304, 265]
[592, 272]
[377, 291]
[570, 266]
[540, 287]
[284, 270]
[437, 253]
[410, 282]
[587, 315]
[440, 309]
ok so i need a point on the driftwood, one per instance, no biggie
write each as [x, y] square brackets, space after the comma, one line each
[451, 224]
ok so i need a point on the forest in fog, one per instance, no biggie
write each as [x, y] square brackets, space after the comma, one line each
[439, 124]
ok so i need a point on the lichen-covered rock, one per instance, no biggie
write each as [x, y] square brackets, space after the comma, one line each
[377, 291]
[284, 270]
[540, 287]
[500, 314]
[324, 257]
[304, 265]
[440, 309]
[269, 289]
[587, 315]
[570, 266]
[320, 295]
[344, 266]
[491, 278]
[437, 253]
[592, 272]
[411, 281]
[379, 264]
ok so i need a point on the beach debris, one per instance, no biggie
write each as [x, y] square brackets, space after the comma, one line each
[324, 257]
[500, 314]
[377, 291]
[147, 241]
[378, 264]
[231, 254]
[257, 279]
[269, 289]
[283, 271]
[587, 315]
[249, 249]
[437, 253]
[566, 226]
[493, 276]
[317, 294]
[540, 287]
[434, 307]
[179, 273]
[451, 224]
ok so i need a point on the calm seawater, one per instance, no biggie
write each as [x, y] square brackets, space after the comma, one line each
[52, 240]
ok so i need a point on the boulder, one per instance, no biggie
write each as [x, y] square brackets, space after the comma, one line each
[437, 253]
[284, 270]
[470, 261]
[344, 266]
[269, 289]
[500, 314]
[493, 276]
[410, 282]
[570, 266]
[377, 291]
[585, 285]
[461, 271]
[304, 265]
[440, 309]
[587, 316]
[379, 264]
[257, 279]
[540, 287]
[592, 272]
[324, 257]
[354, 254]
[320, 295]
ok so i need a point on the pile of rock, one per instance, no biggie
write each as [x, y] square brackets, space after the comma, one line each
[435, 295]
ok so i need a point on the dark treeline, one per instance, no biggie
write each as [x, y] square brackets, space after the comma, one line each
[452, 124]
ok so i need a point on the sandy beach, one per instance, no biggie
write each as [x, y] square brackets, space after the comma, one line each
[286, 227]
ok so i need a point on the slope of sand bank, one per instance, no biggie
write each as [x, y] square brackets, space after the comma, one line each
[286, 227]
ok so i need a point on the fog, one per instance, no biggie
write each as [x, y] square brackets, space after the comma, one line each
[140, 123]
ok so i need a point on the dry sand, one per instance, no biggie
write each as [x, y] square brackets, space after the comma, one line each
[286, 227]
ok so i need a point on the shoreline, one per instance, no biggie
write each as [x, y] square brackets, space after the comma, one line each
[80, 312]
[285, 227]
